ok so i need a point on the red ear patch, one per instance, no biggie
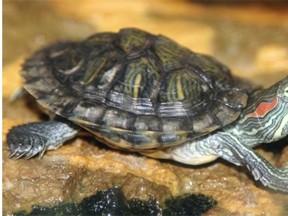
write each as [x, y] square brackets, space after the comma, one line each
[263, 108]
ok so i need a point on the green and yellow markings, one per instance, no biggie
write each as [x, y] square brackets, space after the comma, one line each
[179, 88]
[133, 40]
[134, 84]
[137, 82]
[93, 70]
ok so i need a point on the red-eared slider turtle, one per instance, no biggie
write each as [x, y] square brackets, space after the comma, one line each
[143, 92]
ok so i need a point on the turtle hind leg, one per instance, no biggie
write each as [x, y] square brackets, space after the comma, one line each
[29, 140]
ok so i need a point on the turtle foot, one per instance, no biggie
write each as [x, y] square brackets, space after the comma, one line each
[262, 170]
[29, 140]
[274, 178]
[23, 143]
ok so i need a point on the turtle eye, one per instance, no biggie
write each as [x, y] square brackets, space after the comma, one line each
[286, 92]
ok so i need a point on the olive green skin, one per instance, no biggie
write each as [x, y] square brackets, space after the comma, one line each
[134, 90]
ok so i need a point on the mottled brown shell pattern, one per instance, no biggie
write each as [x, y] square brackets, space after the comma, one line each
[133, 89]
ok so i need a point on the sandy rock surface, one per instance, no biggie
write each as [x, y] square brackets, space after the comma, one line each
[255, 49]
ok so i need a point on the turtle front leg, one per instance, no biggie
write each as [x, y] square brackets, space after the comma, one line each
[29, 140]
[260, 168]
[232, 150]
[224, 145]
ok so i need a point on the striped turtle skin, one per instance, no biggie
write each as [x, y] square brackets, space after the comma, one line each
[133, 89]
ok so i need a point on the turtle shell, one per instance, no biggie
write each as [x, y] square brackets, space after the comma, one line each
[134, 89]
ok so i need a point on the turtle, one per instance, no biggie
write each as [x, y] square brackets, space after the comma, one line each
[142, 92]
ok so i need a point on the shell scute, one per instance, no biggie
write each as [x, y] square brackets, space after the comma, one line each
[169, 53]
[100, 40]
[170, 139]
[133, 41]
[136, 89]
[178, 86]
[115, 118]
[212, 71]
[87, 112]
[140, 139]
[101, 68]
[205, 122]
[223, 113]
[147, 123]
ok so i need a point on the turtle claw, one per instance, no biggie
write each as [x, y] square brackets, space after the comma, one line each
[41, 153]
[23, 144]
[268, 175]
[20, 153]
[257, 174]
[12, 154]
[29, 153]
[32, 154]
[276, 182]
[28, 156]
[16, 154]
[19, 156]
